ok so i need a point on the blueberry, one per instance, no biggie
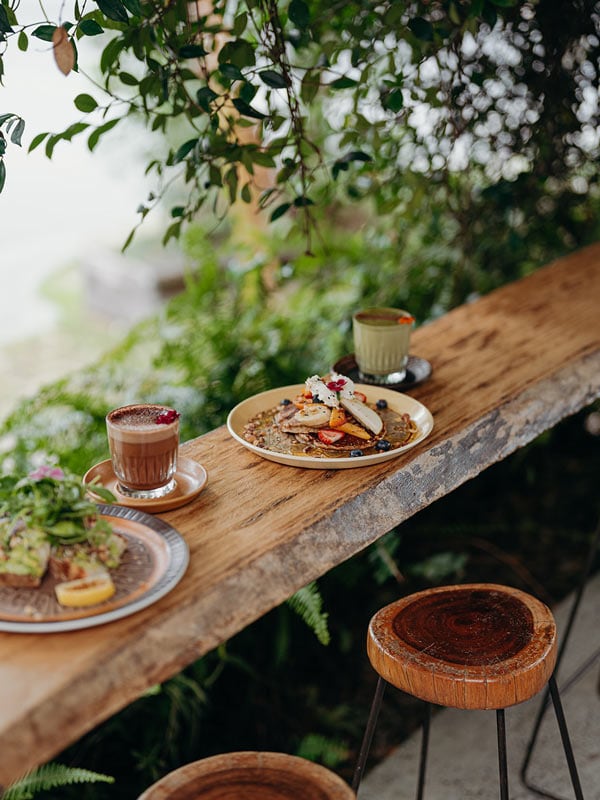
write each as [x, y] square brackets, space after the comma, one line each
[285, 402]
[356, 453]
[383, 444]
[381, 404]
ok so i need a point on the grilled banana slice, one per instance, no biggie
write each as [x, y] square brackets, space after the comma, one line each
[363, 414]
[313, 415]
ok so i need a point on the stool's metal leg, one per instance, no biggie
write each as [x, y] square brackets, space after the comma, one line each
[594, 546]
[424, 748]
[368, 735]
[564, 735]
[502, 760]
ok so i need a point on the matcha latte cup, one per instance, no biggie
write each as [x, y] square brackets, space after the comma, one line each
[381, 344]
[143, 440]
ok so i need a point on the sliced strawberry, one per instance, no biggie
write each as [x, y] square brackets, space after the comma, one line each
[360, 396]
[327, 436]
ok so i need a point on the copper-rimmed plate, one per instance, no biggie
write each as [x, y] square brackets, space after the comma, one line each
[153, 564]
[190, 480]
[400, 403]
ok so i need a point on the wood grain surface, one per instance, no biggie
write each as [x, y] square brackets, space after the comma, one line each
[250, 776]
[505, 368]
[473, 646]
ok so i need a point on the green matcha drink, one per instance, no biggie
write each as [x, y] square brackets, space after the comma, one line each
[381, 343]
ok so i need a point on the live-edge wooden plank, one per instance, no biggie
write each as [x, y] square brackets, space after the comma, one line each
[506, 368]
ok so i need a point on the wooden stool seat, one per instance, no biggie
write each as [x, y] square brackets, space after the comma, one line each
[250, 776]
[472, 646]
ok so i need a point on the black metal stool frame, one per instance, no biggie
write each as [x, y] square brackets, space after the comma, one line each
[501, 734]
[573, 678]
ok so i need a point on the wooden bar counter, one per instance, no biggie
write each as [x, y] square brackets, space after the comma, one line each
[505, 368]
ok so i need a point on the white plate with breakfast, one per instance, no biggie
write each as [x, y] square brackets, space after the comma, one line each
[329, 422]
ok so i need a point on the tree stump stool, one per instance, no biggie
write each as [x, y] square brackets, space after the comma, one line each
[471, 646]
[250, 776]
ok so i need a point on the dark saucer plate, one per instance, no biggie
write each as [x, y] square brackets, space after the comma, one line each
[418, 371]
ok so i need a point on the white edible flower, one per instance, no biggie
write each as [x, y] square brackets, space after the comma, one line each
[329, 393]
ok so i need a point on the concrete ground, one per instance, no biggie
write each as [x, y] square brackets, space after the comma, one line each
[463, 763]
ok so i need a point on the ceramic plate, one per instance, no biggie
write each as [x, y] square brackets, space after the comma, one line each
[401, 403]
[154, 562]
[190, 480]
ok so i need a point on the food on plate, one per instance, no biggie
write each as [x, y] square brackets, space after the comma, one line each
[87, 591]
[24, 554]
[48, 526]
[330, 418]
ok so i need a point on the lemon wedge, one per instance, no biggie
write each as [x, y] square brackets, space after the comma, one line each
[85, 591]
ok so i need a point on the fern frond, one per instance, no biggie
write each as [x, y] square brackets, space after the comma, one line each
[322, 749]
[308, 604]
[49, 776]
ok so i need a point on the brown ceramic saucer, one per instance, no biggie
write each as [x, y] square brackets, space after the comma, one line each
[190, 479]
[417, 371]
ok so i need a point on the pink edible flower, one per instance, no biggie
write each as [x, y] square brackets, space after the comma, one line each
[46, 471]
[167, 417]
[336, 386]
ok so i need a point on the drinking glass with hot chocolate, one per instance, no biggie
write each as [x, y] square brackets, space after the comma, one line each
[144, 439]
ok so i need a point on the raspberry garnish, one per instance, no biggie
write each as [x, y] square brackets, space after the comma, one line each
[167, 417]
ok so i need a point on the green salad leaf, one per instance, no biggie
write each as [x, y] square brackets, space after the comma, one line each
[53, 500]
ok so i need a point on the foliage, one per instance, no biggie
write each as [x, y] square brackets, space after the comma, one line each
[51, 776]
[297, 106]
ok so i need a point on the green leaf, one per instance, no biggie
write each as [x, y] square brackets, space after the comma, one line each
[192, 51]
[85, 103]
[205, 97]
[239, 24]
[214, 175]
[231, 180]
[248, 91]
[173, 232]
[100, 131]
[2, 174]
[422, 28]
[44, 32]
[90, 27]
[262, 159]
[128, 79]
[357, 155]
[231, 71]
[184, 149]
[343, 83]
[299, 14]
[308, 604]
[17, 133]
[273, 79]
[37, 140]
[302, 201]
[247, 110]
[280, 211]
[246, 194]
[134, 7]
[504, 3]
[22, 42]
[177, 211]
[392, 100]
[310, 86]
[240, 53]
[5, 27]
[113, 9]
[111, 53]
